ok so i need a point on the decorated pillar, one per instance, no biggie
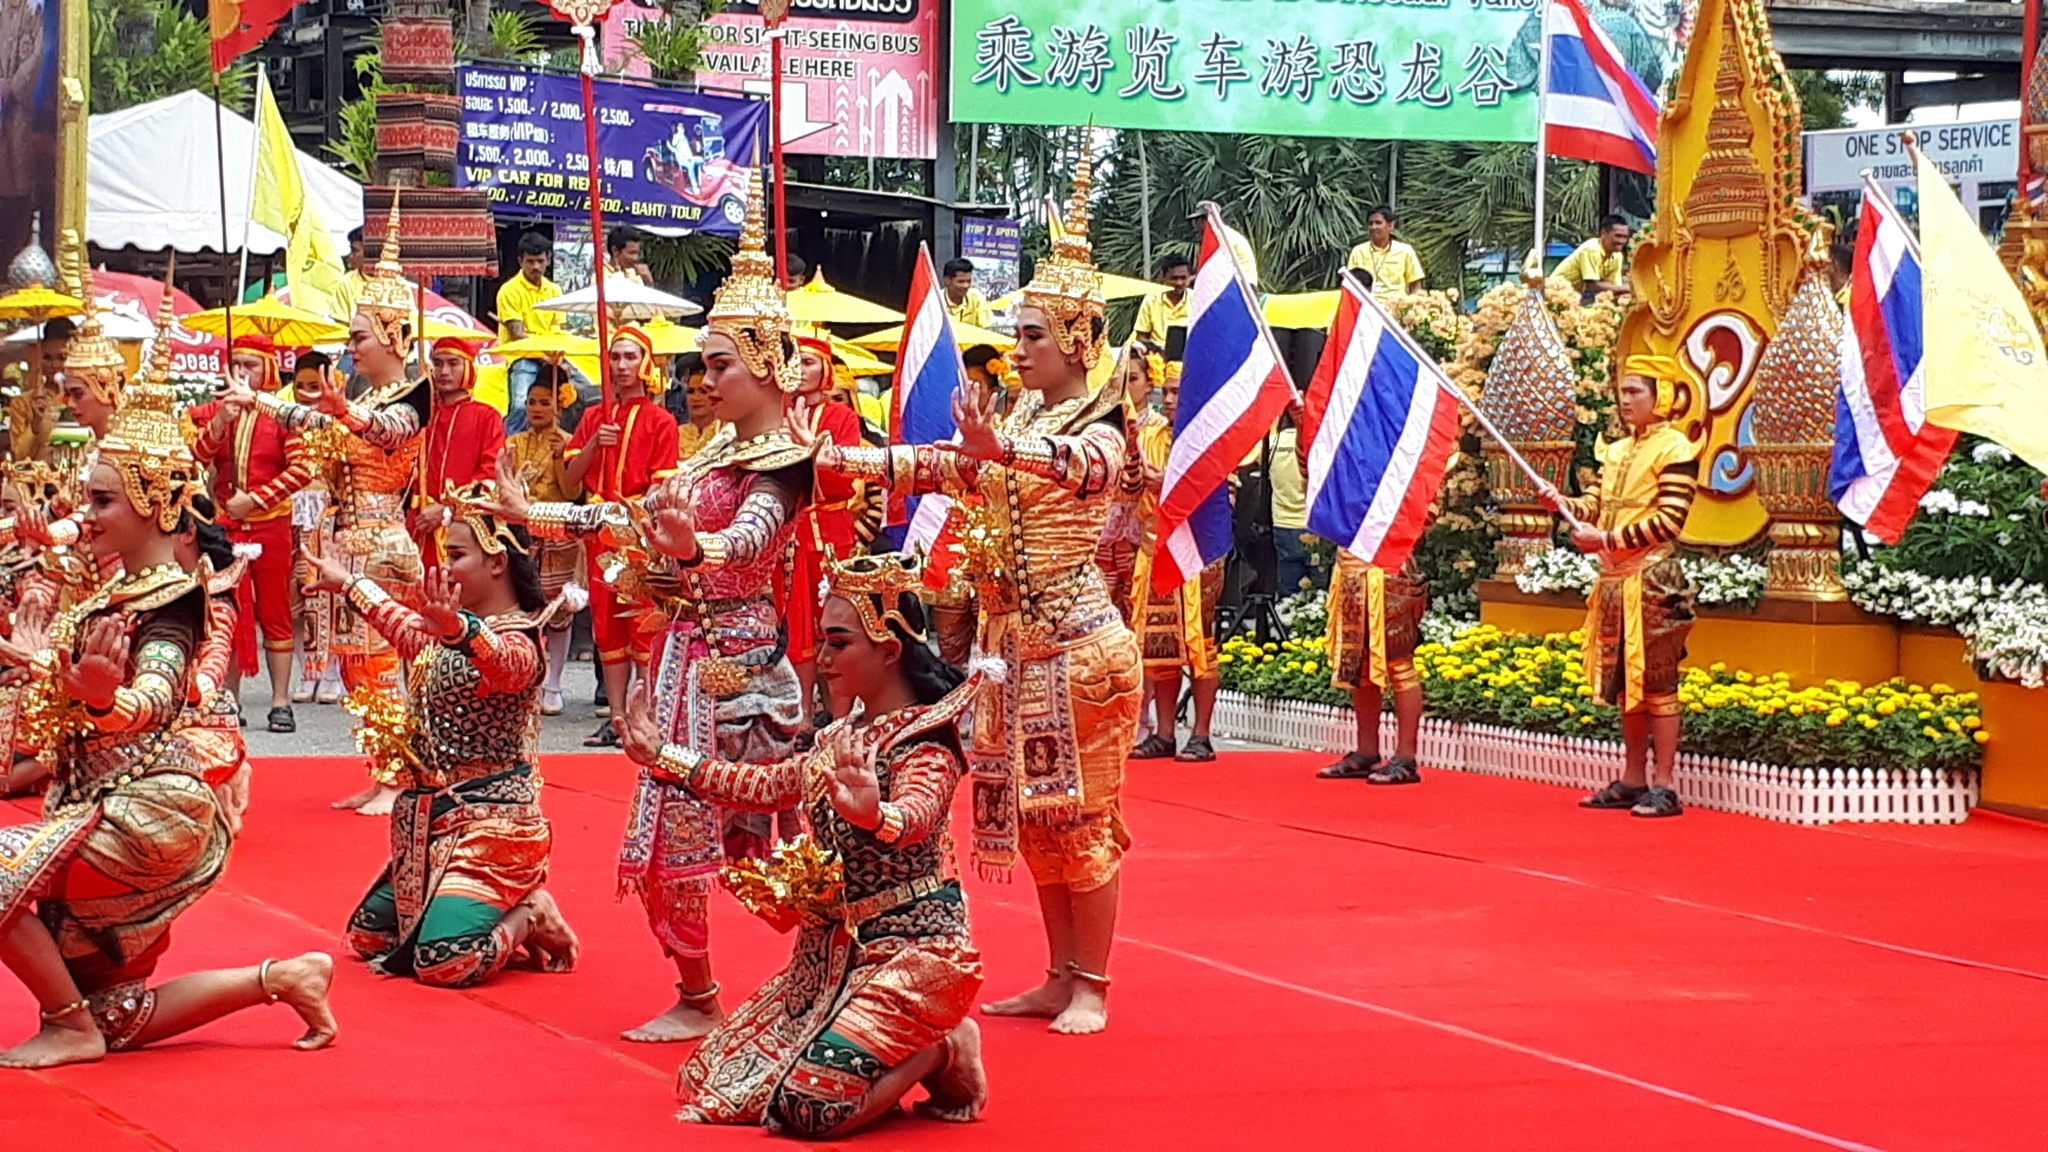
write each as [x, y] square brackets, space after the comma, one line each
[1719, 266]
[447, 231]
[1531, 396]
[1794, 423]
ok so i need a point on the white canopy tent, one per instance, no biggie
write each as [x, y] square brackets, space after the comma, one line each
[153, 182]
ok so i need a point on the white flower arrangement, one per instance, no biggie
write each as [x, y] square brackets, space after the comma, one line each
[1733, 580]
[2009, 638]
[2006, 625]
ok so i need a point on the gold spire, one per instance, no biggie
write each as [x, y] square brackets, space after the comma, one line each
[166, 320]
[750, 309]
[1068, 286]
[386, 298]
[146, 439]
[93, 358]
[1728, 197]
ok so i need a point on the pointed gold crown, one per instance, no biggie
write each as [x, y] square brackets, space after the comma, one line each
[166, 320]
[750, 308]
[386, 299]
[146, 439]
[93, 358]
[1068, 286]
[875, 585]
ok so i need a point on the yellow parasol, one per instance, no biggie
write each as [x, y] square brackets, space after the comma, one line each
[1302, 309]
[289, 326]
[820, 303]
[669, 337]
[965, 335]
[547, 346]
[38, 304]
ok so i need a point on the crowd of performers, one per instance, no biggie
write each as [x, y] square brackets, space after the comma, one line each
[802, 703]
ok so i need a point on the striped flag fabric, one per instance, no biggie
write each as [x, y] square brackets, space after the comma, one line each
[1233, 386]
[928, 372]
[1594, 107]
[1886, 453]
[1381, 421]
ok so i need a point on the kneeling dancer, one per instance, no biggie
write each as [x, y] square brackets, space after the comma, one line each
[469, 846]
[132, 835]
[875, 997]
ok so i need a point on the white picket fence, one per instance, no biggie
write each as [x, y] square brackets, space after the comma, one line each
[1772, 791]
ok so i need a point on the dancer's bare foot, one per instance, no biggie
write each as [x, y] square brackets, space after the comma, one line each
[355, 803]
[690, 1019]
[381, 804]
[549, 938]
[1047, 1000]
[60, 1042]
[302, 982]
[1086, 1012]
[960, 1089]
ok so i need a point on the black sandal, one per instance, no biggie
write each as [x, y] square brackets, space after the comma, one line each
[1354, 766]
[606, 736]
[281, 720]
[1658, 802]
[1615, 795]
[1399, 770]
[1153, 747]
[1197, 750]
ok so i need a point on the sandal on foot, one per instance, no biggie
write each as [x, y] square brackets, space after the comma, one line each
[1615, 795]
[1658, 802]
[282, 720]
[1399, 770]
[1354, 766]
[1198, 750]
[606, 736]
[1153, 747]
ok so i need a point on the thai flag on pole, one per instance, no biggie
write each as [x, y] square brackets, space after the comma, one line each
[1233, 386]
[1593, 107]
[1381, 421]
[1886, 453]
[928, 371]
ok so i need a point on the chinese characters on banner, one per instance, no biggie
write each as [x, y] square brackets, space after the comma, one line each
[869, 69]
[1390, 69]
[672, 159]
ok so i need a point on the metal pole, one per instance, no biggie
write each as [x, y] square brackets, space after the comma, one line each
[775, 151]
[220, 152]
[604, 344]
[1144, 205]
[255, 166]
[1542, 144]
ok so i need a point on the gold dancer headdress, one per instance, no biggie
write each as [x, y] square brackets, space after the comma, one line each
[94, 359]
[875, 585]
[146, 439]
[386, 298]
[467, 502]
[1068, 286]
[750, 308]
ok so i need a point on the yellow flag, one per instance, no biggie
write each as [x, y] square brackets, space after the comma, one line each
[1983, 363]
[281, 204]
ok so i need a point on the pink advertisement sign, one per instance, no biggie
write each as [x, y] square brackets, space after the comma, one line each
[868, 70]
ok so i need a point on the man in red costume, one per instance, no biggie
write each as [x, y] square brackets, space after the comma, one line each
[464, 439]
[829, 520]
[257, 466]
[619, 450]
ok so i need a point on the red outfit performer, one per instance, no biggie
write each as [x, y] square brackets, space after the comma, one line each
[620, 449]
[463, 441]
[827, 522]
[257, 466]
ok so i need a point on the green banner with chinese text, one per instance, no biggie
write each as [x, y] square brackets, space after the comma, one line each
[1366, 69]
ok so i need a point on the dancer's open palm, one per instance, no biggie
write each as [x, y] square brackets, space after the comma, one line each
[101, 666]
[974, 410]
[856, 793]
[328, 575]
[441, 603]
[639, 734]
[511, 504]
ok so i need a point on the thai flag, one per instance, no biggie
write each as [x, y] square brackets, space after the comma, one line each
[1233, 386]
[1886, 453]
[928, 372]
[1594, 108]
[1381, 421]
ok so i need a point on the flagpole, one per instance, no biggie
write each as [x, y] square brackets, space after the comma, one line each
[255, 166]
[1542, 124]
[220, 153]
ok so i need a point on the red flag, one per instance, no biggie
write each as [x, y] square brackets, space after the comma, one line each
[239, 25]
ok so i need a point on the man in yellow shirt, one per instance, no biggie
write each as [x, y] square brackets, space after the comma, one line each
[622, 253]
[1163, 311]
[1841, 268]
[964, 302]
[518, 318]
[1396, 269]
[1598, 265]
[351, 280]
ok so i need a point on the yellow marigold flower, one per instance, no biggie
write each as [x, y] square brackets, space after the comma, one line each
[1930, 733]
[1718, 666]
[1940, 689]
[1887, 708]
[1311, 667]
[1868, 721]
[1225, 658]
[1982, 737]
[1973, 721]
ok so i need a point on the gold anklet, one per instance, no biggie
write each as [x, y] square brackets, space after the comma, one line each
[56, 1014]
[263, 981]
[1094, 978]
[706, 996]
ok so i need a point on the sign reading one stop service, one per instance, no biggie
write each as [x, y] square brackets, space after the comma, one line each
[1982, 152]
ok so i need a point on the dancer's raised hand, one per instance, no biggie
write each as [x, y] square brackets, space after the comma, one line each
[856, 793]
[974, 410]
[441, 603]
[639, 733]
[328, 575]
[511, 504]
[102, 664]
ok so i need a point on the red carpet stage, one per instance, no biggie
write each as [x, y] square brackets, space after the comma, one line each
[1469, 964]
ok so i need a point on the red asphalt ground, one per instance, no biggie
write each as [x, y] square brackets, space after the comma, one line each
[1469, 964]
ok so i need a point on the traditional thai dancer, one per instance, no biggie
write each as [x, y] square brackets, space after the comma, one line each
[536, 453]
[707, 550]
[371, 447]
[875, 997]
[463, 892]
[1142, 371]
[1050, 740]
[1641, 608]
[132, 835]
[1177, 629]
